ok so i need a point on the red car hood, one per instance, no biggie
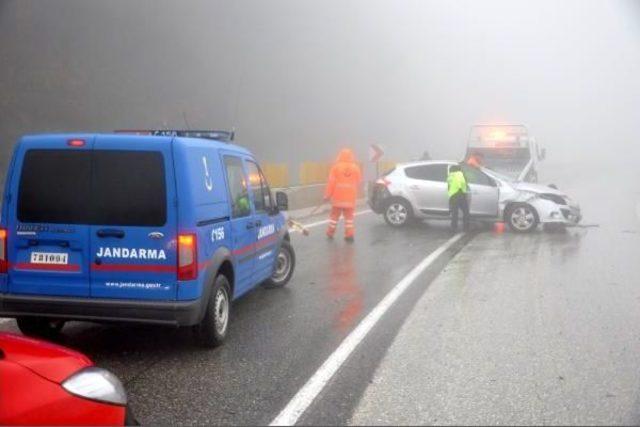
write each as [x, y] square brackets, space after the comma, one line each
[50, 361]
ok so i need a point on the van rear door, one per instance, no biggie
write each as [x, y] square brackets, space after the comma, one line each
[133, 239]
[47, 221]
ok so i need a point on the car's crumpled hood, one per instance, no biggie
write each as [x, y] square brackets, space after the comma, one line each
[537, 188]
[50, 361]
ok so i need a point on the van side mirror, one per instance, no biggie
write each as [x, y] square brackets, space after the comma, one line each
[282, 201]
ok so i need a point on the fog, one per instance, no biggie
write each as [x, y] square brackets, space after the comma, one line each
[299, 79]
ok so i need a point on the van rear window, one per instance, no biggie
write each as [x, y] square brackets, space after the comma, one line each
[100, 187]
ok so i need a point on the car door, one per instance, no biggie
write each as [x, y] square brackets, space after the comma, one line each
[243, 228]
[134, 231]
[266, 237]
[484, 193]
[427, 185]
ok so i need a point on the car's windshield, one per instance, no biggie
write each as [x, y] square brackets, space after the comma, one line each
[498, 176]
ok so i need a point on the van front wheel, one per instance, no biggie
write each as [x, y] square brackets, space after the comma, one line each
[285, 263]
[40, 327]
[212, 331]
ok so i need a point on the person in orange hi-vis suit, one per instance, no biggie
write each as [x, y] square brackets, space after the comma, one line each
[342, 190]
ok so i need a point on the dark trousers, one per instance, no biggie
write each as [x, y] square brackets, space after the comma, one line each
[459, 202]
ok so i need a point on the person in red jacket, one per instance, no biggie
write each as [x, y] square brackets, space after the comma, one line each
[342, 190]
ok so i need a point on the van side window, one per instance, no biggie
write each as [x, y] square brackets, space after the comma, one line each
[238, 191]
[261, 193]
[268, 200]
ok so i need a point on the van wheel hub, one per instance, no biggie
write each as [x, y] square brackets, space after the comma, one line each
[283, 266]
[221, 317]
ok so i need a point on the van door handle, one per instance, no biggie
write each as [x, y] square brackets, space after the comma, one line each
[109, 232]
[414, 187]
[250, 225]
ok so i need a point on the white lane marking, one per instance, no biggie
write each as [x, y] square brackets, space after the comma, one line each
[4, 321]
[326, 221]
[314, 386]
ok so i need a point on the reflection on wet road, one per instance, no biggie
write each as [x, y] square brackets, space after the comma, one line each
[345, 287]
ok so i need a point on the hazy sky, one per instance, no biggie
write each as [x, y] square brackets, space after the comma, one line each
[298, 78]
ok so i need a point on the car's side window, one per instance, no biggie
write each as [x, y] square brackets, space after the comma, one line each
[261, 197]
[436, 172]
[476, 176]
[238, 192]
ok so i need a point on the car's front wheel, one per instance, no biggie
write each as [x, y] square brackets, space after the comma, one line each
[522, 218]
[40, 327]
[398, 213]
[212, 331]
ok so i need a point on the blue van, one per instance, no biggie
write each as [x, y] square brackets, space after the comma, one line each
[159, 228]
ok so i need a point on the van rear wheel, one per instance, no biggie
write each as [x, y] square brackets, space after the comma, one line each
[40, 327]
[212, 331]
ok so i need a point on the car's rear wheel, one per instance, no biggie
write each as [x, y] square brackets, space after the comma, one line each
[284, 265]
[522, 218]
[40, 327]
[212, 331]
[398, 213]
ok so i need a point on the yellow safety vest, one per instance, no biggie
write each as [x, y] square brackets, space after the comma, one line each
[456, 183]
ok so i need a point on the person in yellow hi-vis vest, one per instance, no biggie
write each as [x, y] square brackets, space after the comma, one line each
[458, 189]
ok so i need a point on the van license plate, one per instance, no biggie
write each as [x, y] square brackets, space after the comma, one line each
[49, 258]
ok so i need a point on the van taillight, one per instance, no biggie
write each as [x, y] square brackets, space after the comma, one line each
[187, 257]
[3, 250]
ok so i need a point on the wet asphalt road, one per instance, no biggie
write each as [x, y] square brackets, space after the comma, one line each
[278, 338]
[543, 328]
[536, 329]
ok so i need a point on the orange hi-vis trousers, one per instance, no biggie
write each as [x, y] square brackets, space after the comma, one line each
[334, 216]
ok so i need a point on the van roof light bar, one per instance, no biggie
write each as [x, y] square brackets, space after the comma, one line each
[217, 135]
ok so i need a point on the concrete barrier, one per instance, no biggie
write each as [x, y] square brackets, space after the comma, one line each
[277, 174]
[309, 196]
[313, 173]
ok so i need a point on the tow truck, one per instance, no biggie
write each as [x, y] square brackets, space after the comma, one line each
[507, 149]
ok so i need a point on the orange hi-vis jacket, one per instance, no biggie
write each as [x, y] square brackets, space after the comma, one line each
[344, 179]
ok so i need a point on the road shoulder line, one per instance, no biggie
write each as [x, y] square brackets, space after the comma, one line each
[314, 386]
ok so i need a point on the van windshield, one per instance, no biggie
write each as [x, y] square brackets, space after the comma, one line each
[101, 187]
